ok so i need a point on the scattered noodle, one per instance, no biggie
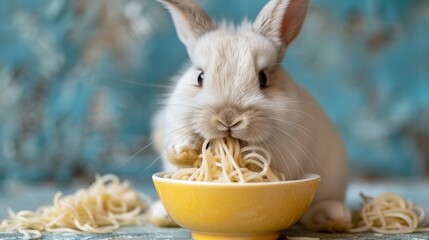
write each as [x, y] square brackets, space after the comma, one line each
[105, 206]
[224, 160]
[390, 214]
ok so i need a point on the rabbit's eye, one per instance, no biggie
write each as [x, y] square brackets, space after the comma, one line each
[263, 80]
[200, 79]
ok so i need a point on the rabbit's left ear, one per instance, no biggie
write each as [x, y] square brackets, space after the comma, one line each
[281, 20]
[190, 20]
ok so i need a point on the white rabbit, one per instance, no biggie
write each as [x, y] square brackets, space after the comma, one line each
[235, 85]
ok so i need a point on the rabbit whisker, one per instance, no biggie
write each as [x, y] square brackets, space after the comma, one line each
[284, 145]
[296, 126]
[298, 145]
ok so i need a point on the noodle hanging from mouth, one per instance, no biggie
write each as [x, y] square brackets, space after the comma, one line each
[224, 160]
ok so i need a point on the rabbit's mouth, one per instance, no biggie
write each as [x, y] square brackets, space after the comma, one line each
[244, 135]
[244, 124]
[236, 126]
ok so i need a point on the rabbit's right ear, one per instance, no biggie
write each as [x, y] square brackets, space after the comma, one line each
[190, 20]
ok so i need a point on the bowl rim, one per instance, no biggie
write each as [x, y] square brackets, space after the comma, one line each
[308, 177]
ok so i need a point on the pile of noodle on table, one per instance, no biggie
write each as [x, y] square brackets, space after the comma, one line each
[104, 207]
[389, 213]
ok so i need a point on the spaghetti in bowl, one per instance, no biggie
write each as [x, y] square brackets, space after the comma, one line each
[214, 210]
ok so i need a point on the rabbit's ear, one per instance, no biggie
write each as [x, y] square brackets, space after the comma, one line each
[281, 20]
[189, 19]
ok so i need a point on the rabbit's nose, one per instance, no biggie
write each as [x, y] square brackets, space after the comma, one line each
[228, 117]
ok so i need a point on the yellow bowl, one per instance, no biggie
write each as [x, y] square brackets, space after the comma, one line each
[236, 211]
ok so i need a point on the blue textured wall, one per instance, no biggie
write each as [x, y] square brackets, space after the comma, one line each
[80, 80]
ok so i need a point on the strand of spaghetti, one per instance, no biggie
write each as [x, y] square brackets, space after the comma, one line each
[233, 167]
[232, 161]
[272, 177]
[420, 213]
[256, 148]
[205, 161]
[184, 171]
[262, 163]
[265, 158]
[225, 164]
[249, 176]
[237, 148]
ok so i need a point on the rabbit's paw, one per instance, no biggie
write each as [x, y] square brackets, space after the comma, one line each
[328, 216]
[159, 217]
[185, 151]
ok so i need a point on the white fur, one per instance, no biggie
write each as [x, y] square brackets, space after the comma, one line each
[283, 118]
[190, 20]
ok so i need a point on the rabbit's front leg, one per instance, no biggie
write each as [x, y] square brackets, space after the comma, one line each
[176, 141]
[159, 217]
[331, 216]
[182, 149]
